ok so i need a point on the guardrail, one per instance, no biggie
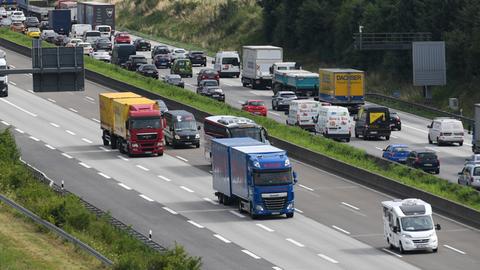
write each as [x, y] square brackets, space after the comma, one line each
[449, 208]
[413, 105]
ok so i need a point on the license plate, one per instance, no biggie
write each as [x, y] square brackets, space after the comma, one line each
[373, 132]
[421, 246]
[187, 143]
[275, 213]
[215, 96]
[402, 159]
[256, 112]
[148, 152]
[427, 164]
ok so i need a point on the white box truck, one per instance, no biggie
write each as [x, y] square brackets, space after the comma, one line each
[257, 62]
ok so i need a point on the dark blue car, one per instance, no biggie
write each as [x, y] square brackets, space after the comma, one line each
[396, 152]
[162, 61]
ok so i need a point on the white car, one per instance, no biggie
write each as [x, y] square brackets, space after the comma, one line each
[87, 47]
[101, 55]
[73, 42]
[3, 12]
[18, 16]
[178, 53]
[5, 22]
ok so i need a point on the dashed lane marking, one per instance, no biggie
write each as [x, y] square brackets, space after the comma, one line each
[340, 229]
[265, 227]
[195, 224]
[169, 210]
[104, 175]
[186, 189]
[124, 186]
[146, 198]
[351, 206]
[164, 178]
[222, 238]
[325, 257]
[251, 254]
[49, 146]
[67, 155]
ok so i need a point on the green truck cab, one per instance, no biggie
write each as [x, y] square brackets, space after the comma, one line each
[182, 67]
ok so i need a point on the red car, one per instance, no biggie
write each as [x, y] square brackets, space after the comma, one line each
[256, 107]
[122, 38]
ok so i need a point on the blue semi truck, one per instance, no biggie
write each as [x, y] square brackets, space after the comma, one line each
[255, 176]
[302, 82]
[60, 21]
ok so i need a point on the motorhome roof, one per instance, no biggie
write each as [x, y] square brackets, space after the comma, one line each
[262, 47]
[230, 120]
[408, 207]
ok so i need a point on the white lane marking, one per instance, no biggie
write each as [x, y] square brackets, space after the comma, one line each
[298, 210]
[454, 249]
[240, 102]
[274, 113]
[298, 244]
[20, 108]
[86, 140]
[351, 206]
[305, 187]
[251, 254]
[51, 100]
[49, 146]
[227, 84]
[20, 131]
[195, 224]
[186, 189]
[12, 66]
[55, 125]
[265, 227]
[210, 201]
[340, 229]
[70, 132]
[414, 128]
[392, 253]
[187, 84]
[276, 268]
[431, 148]
[379, 148]
[31, 91]
[164, 178]
[12, 83]
[181, 158]
[146, 198]
[28, 74]
[84, 165]
[67, 155]
[236, 214]
[5, 123]
[394, 137]
[122, 158]
[143, 168]
[35, 139]
[325, 257]
[222, 238]
[90, 98]
[73, 110]
[96, 120]
[104, 175]
[169, 210]
[124, 186]
[104, 149]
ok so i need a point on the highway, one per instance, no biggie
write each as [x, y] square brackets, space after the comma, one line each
[338, 224]
[414, 128]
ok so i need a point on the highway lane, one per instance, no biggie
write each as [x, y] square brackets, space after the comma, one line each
[321, 197]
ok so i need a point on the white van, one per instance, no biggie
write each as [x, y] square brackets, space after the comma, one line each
[91, 36]
[302, 113]
[445, 130]
[227, 63]
[3, 78]
[333, 122]
[105, 30]
[408, 225]
[79, 29]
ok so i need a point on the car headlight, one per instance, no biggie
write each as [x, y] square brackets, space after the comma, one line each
[177, 137]
[406, 235]
[197, 136]
[287, 162]
[159, 143]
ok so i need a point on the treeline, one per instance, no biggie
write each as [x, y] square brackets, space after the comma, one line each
[323, 31]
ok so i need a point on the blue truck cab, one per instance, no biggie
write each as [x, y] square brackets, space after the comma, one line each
[255, 176]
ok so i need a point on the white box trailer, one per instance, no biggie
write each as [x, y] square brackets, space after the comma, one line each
[257, 61]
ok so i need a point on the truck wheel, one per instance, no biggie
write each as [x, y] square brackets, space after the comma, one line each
[105, 141]
[113, 141]
[254, 216]
[429, 140]
[289, 215]
[166, 141]
[197, 145]
[434, 250]
[160, 154]
[348, 139]
[460, 143]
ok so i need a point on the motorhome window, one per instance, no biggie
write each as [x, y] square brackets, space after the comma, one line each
[417, 223]
[138, 123]
[264, 178]
[252, 132]
[230, 61]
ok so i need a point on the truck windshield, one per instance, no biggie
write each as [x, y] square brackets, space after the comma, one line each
[139, 123]
[186, 125]
[417, 223]
[270, 178]
[252, 132]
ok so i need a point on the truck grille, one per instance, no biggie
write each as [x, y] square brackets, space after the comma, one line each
[275, 204]
[148, 136]
[420, 241]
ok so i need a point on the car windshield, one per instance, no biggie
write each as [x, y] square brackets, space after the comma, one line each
[230, 61]
[175, 79]
[33, 29]
[149, 67]
[427, 155]
[104, 29]
[179, 51]
[252, 132]
[103, 40]
[417, 223]
[139, 60]
[186, 125]
[210, 83]
[270, 178]
[138, 123]
[288, 95]
[256, 103]
[197, 53]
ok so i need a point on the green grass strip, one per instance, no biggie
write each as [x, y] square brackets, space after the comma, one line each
[340, 151]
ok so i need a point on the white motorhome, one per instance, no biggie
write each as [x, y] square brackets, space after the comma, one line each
[257, 62]
[79, 29]
[3, 78]
[302, 113]
[408, 225]
[334, 122]
[227, 63]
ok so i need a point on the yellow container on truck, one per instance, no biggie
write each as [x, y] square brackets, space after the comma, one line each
[121, 110]
[106, 107]
[343, 87]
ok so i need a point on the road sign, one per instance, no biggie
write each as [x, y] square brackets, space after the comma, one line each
[428, 60]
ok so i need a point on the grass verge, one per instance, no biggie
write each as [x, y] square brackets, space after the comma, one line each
[343, 152]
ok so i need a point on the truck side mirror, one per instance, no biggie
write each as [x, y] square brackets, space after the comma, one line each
[213, 62]
[429, 126]
[438, 227]
[459, 173]
[395, 229]
[287, 112]
[295, 180]
[199, 127]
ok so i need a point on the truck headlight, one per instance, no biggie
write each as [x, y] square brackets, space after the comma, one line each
[177, 137]
[134, 145]
[290, 206]
[287, 162]
[259, 208]
[197, 136]
[406, 235]
[159, 143]
[256, 164]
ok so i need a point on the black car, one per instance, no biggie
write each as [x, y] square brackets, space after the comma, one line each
[424, 160]
[142, 44]
[60, 40]
[148, 70]
[207, 74]
[162, 61]
[395, 122]
[197, 58]
[214, 92]
[181, 129]
[102, 44]
[134, 61]
[204, 84]
[174, 79]
[160, 49]
[31, 22]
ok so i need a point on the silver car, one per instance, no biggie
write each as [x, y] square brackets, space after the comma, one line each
[281, 100]
[470, 176]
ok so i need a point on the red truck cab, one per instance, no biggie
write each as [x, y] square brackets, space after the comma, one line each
[145, 131]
